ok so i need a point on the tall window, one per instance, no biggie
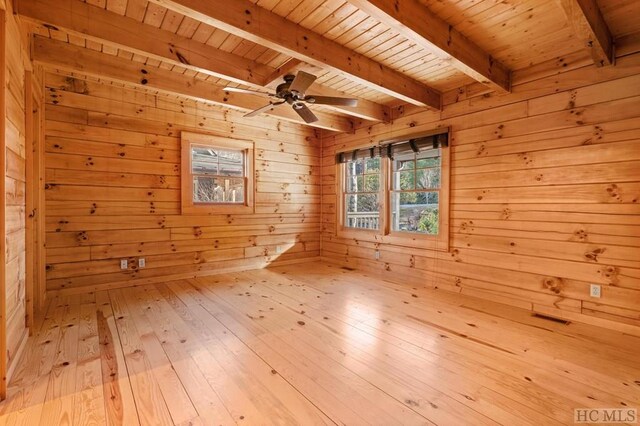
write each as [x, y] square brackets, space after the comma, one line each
[362, 193]
[398, 192]
[415, 192]
[217, 174]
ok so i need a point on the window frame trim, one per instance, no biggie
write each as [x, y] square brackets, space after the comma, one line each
[347, 232]
[385, 235]
[188, 206]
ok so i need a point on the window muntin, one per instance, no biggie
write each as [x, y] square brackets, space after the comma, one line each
[415, 192]
[218, 175]
[362, 199]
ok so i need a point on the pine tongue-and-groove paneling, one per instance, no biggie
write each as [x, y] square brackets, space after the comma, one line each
[113, 189]
[545, 195]
[16, 60]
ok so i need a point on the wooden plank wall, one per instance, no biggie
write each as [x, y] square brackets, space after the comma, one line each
[17, 62]
[3, 205]
[113, 187]
[545, 194]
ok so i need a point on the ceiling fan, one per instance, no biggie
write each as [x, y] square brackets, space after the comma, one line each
[292, 92]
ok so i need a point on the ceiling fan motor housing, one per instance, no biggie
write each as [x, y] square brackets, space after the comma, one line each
[283, 92]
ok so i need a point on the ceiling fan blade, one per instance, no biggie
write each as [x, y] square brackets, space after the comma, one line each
[305, 113]
[265, 108]
[302, 82]
[330, 100]
[241, 90]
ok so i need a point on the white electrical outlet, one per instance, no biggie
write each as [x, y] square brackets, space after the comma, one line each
[377, 254]
[141, 262]
[124, 264]
[595, 290]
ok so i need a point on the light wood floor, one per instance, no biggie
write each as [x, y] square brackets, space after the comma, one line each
[311, 344]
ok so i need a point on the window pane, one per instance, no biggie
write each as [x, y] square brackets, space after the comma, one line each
[355, 183]
[362, 211]
[215, 161]
[415, 212]
[372, 183]
[428, 178]
[428, 162]
[362, 203]
[230, 156]
[404, 180]
[204, 160]
[355, 167]
[372, 165]
[208, 189]
[404, 164]
[231, 169]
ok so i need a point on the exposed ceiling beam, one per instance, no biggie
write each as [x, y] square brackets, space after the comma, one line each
[248, 20]
[97, 24]
[289, 67]
[76, 59]
[589, 25]
[94, 23]
[416, 22]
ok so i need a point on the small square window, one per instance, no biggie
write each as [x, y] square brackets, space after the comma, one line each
[217, 174]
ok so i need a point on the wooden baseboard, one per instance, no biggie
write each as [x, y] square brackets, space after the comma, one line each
[548, 311]
[588, 319]
[164, 278]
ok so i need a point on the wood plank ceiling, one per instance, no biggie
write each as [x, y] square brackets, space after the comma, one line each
[358, 52]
